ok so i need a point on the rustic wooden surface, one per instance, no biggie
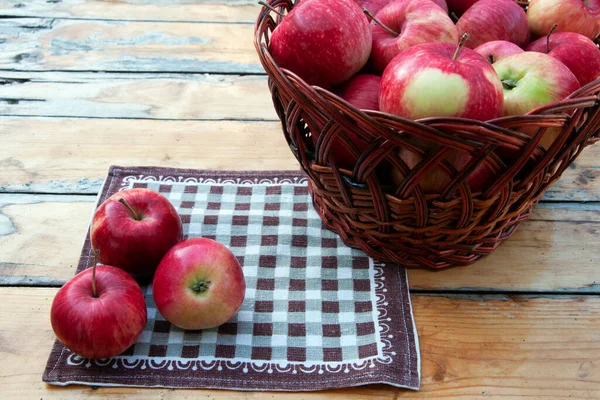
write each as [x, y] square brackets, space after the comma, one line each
[51, 155]
[238, 11]
[557, 250]
[87, 84]
[472, 347]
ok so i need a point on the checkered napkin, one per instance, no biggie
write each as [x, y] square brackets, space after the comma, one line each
[317, 314]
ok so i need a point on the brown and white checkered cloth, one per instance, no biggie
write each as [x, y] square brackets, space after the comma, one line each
[317, 314]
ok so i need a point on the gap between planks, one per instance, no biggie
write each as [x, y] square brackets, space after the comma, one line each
[533, 262]
[213, 11]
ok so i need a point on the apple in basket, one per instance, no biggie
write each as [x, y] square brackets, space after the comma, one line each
[99, 313]
[531, 80]
[405, 23]
[362, 91]
[133, 229]
[436, 80]
[324, 42]
[489, 20]
[570, 15]
[576, 51]
[441, 80]
[496, 50]
[199, 284]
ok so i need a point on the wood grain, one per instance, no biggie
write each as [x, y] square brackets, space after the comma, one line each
[136, 96]
[173, 10]
[556, 251]
[55, 155]
[41, 237]
[471, 348]
[38, 44]
[73, 155]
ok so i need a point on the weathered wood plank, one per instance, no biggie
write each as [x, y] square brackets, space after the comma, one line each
[556, 251]
[174, 10]
[581, 182]
[145, 96]
[41, 237]
[38, 44]
[62, 155]
[53, 155]
[471, 347]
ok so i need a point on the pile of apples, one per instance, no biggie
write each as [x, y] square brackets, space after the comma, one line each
[196, 283]
[409, 58]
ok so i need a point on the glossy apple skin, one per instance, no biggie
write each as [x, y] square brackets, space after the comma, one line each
[362, 91]
[324, 42]
[496, 50]
[103, 326]
[570, 16]
[437, 180]
[540, 79]
[424, 81]
[188, 262]
[375, 5]
[135, 246]
[417, 21]
[489, 20]
[458, 7]
[574, 50]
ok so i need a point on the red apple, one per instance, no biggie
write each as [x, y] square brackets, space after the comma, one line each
[436, 80]
[531, 80]
[437, 180]
[570, 15]
[101, 321]
[362, 91]
[458, 7]
[489, 20]
[324, 42]
[375, 5]
[574, 50]
[413, 22]
[199, 284]
[497, 50]
[133, 229]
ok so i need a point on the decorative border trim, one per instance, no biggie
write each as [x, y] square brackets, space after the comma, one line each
[129, 180]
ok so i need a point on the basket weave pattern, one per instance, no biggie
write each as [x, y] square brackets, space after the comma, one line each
[398, 222]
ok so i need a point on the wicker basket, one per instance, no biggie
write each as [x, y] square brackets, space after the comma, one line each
[400, 223]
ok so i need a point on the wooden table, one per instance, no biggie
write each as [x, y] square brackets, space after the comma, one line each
[87, 84]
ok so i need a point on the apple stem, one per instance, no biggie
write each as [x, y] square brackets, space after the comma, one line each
[133, 213]
[454, 17]
[94, 290]
[461, 43]
[509, 84]
[548, 37]
[490, 58]
[270, 7]
[378, 22]
[200, 286]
